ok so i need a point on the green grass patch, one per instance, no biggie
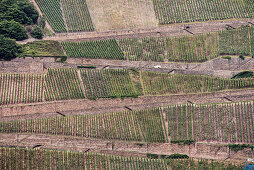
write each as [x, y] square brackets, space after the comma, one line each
[43, 49]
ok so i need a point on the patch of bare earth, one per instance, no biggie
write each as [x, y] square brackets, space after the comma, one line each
[122, 14]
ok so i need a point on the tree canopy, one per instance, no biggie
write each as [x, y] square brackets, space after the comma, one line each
[8, 48]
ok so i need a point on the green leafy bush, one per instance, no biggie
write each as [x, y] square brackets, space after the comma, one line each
[37, 33]
[152, 156]
[8, 48]
[91, 67]
[238, 147]
[13, 30]
[244, 74]
[185, 142]
[177, 156]
[226, 57]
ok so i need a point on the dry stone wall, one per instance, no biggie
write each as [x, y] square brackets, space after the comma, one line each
[198, 150]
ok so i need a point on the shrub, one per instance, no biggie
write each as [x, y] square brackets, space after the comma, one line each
[91, 67]
[37, 33]
[238, 147]
[226, 57]
[177, 156]
[13, 29]
[241, 57]
[152, 156]
[244, 74]
[185, 142]
[8, 48]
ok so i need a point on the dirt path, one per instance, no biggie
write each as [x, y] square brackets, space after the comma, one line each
[169, 30]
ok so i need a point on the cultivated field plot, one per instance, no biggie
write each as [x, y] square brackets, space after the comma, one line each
[144, 125]
[21, 88]
[237, 41]
[103, 49]
[66, 16]
[54, 159]
[122, 14]
[178, 11]
[163, 83]
[107, 83]
[191, 48]
[229, 123]
[53, 12]
[62, 84]
[77, 15]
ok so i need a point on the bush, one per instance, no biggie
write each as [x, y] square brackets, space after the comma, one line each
[226, 57]
[90, 67]
[13, 29]
[244, 74]
[8, 48]
[22, 12]
[152, 156]
[238, 147]
[185, 142]
[177, 156]
[241, 57]
[37, 33]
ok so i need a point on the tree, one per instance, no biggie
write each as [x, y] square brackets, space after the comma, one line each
[29, 10]
[8, 48]
[13, 29]
[42, 22]
[37, 33]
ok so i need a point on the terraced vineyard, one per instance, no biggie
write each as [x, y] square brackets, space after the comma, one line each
[229, 123]
[144, 125]
[171, 11]
[149, 48]
[54, 14]
[62, 84]
[44, 159]
[77, 15]
[104, 49]
[63, 16]
[107, 83]
[162, 83]
[194, 48]
[237, 41]
[21, 88]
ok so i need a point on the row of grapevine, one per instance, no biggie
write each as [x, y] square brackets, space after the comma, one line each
[144, 125]
[53, 12]
[21, 158]
[237, 41]
[62, 84]
[194, 48]
[149, 48]
[21, 88]
[107, 83]
[77, 15]
[229, 123]
[197, 48]
[162, 83]
[172, 11]
[104, 49]
[200, 164]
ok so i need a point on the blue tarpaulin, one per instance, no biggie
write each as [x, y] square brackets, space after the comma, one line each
[248, 167]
